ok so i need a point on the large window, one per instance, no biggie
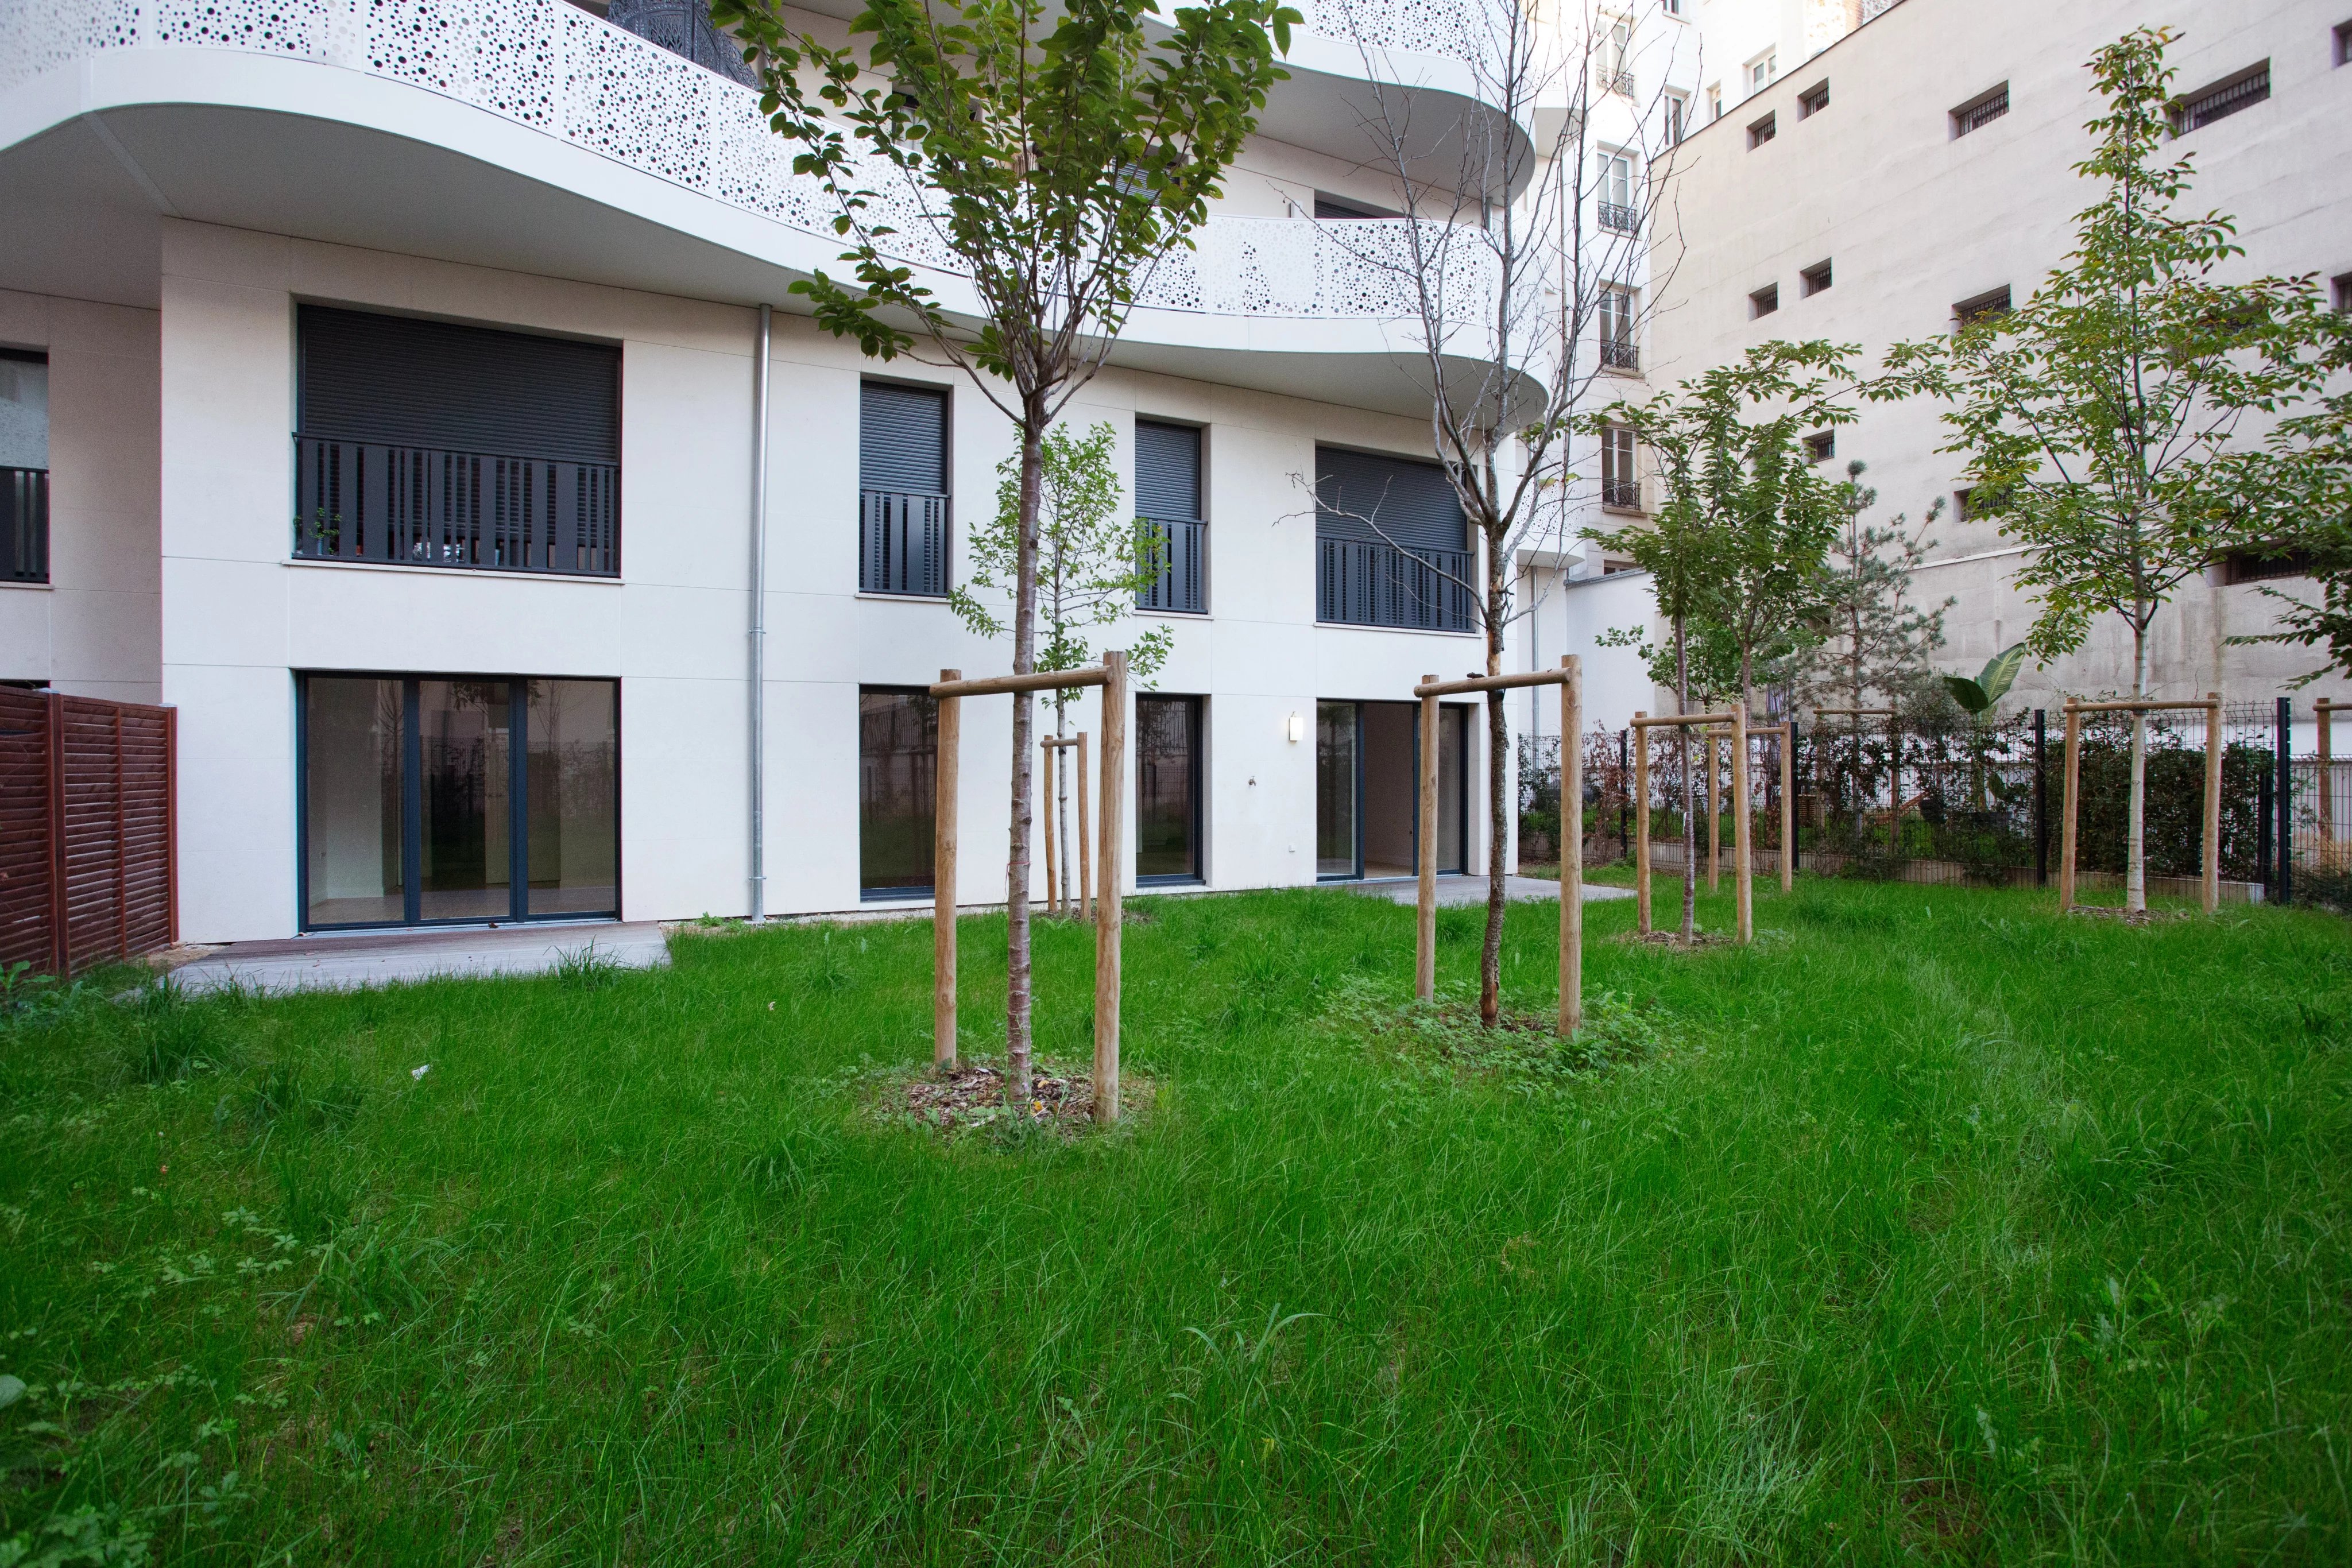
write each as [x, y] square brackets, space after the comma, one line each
[23, 467]
[897, 776]
[1616, 193]
[902, 489]
[1168, 495]
[1368, 788]
[1617, 348]
[1167, 736]
[428, 443]
[458, 799]
[1621, 482]
[1392, 543]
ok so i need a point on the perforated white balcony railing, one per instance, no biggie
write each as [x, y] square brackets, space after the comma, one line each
[550, 66]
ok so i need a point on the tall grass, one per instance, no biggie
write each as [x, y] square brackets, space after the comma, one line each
[1930, 1227]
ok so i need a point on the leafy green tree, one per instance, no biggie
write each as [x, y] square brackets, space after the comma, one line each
[1738, 545]
[1092, 561]
[2104, 421]
[1058, 153]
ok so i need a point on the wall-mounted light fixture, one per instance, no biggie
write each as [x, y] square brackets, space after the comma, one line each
[1297, 728]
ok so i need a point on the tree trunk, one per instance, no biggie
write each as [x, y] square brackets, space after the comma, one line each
[2136, 830]
[1498, 740]
[1016, 868]
[1690, 799]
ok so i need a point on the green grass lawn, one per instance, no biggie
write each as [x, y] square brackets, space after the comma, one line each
[1930, 1229]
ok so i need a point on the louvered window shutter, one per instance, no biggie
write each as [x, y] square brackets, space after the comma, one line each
[1167, 472]
[397, 382]
[1412, 503]
[902, 440]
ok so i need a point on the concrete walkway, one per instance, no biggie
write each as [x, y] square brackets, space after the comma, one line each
[1459, 890]
[347, 962]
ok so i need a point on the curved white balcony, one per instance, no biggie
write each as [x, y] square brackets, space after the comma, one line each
[530, 135]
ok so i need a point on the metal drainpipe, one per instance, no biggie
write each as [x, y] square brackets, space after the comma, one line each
[759, 631]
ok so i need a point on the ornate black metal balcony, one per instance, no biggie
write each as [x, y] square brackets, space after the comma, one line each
[1619, 354]
[414, 506]
[1360, 582]
[1618, 218]
[1625, 495]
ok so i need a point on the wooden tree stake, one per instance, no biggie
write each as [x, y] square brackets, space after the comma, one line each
[1743, 872]
[1714, 795]
[1053, 821]
[1107, 913]
[1424, 969]
[2066, 818]
[1085, 839]
[1787, 807]
[1641, 825]
[944, 878]
[2212, 889]
[1572, 848]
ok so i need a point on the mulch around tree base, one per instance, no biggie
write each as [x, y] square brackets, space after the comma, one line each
[2128, 917]
[972, 1096]
[1673, 940]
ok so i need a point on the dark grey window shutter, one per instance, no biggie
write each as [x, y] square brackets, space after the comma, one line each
[902, 439]
[1167, 472]
[398, 382]
[1412, 503]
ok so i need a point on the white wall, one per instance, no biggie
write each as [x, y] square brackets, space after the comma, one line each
[92, 631]
[239, 618]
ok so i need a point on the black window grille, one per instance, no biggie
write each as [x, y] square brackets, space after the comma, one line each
[1168, 496]
[1812, 100]
[1763, 130]
[1980, 111]
[904, 544]
[1390, 543]
[2222, 99]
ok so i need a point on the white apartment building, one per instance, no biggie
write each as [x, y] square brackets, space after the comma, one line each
[384, 378]
[1875, 171]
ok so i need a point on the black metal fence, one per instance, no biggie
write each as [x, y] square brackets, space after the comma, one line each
[1362, 583]
[1183, 584]
[413, 506]
[24, 525]
[1980, 802]
[902, 542]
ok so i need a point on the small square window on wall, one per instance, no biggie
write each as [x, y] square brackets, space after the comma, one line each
[1761, 132]
[1964, 505]
[1812, 100]
[1820, 446]
[1980, 111]
[1764, 301]
[2343, 293]
[2344, 43]
[1816, 276]
[1989, 306]
[2221, 99]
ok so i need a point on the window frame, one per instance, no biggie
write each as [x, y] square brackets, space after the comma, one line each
[1991, 304]
[1761, 132]
[1620, 450]
[2183, 112]
[1814, 99]
[1817, 278]
[1963, 116]
[1763, 302]
[1196, 769]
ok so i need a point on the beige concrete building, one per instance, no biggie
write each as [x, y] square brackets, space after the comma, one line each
[1864, 178]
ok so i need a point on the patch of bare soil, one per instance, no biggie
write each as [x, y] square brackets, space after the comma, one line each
[1673, 940]
[2128, 917]
[972, 1097]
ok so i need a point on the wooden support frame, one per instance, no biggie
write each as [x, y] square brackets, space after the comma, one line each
[1736, 721]
[2326, 708]
[2210, 883]
[1570, 678]
[1055, 903]
[950, 693]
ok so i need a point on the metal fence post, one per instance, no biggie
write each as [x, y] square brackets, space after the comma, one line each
[2284, 791]
[2040, 798]
[1625, 795]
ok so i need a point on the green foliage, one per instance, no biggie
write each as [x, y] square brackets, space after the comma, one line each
[1785, 1274]
[2102, 418]
[1065, 148]
[1871, 639]
[1992, 684]
[1091, 560]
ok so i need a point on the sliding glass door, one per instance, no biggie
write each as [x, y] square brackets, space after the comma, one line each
[431, 799]
[1367, 789]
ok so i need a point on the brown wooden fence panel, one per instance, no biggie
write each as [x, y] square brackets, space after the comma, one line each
[86, 786]
[25, 850]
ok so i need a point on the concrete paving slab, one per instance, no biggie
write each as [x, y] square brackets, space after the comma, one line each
[1459, 890]
[347, 962]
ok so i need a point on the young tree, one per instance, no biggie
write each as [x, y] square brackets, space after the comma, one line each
[1056, 153]
[1752, 519]
[1518, 266]
[1091, 563]
[2103, 420]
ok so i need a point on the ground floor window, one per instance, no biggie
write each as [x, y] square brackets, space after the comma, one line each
[1368, 788]
[1167, 748]
[431, 799]
[898, 773]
